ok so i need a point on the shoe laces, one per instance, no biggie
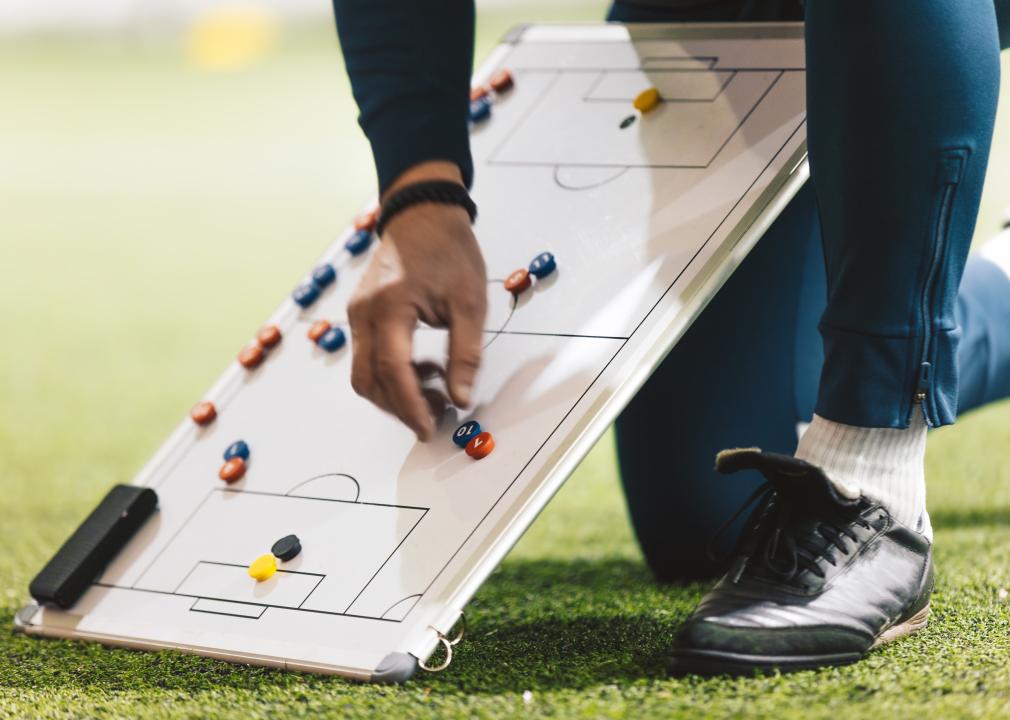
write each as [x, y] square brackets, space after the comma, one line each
[781, 545]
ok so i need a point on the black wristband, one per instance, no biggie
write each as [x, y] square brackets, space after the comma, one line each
[443, 192]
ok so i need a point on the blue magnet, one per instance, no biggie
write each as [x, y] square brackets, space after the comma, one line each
[465, 432]
[542, 265]
[359, 242]
[306, 294]
[332, 340]
[480, 110]
[237, 449]
[324, 275]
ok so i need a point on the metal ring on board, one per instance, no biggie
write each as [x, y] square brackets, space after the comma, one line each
[445, 663]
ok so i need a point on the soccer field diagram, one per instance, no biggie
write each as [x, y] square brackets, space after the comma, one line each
[322, 579]
[687, 129]
[645, 217]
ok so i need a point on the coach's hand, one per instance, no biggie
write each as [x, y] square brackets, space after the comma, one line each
[427, 267]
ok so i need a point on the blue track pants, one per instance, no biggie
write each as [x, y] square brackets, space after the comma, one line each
[860, 303]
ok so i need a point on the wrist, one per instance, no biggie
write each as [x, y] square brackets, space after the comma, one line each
[441, 170]
[424, 192]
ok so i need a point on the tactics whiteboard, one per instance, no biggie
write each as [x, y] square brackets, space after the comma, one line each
[647, 218]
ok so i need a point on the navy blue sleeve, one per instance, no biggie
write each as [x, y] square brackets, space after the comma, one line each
[409, 62]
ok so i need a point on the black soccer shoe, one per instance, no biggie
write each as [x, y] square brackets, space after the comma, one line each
[818, 579]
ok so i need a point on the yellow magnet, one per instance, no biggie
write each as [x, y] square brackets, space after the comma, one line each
[263, 567]
[647, 100]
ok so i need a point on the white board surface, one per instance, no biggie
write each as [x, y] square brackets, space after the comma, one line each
[645, 221]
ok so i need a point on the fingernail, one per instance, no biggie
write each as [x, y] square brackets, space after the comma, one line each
[462, 393]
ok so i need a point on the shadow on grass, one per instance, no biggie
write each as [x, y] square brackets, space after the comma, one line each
[536, 624]
[553, 624]
[969, 517]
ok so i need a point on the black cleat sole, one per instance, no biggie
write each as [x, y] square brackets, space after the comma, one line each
[711, 663]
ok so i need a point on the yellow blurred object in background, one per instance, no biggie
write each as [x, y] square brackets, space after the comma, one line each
[231, 37]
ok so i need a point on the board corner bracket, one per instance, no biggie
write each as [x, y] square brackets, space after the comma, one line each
[23, 617]
[395, 668]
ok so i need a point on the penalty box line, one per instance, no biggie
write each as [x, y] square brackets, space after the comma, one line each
[423, 510]
[246, 602]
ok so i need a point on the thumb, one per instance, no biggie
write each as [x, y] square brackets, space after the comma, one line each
[466, 336]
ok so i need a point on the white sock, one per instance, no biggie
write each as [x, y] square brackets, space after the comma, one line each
[997, 251]
[884, 464]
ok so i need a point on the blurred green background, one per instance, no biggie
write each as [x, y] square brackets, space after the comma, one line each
[161, 189]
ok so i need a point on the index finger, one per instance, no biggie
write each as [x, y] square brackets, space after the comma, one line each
[466, 338]
[394, 369]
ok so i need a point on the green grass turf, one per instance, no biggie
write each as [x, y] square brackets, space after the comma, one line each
[151, 215]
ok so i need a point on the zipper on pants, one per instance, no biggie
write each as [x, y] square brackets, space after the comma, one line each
[950, 170]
